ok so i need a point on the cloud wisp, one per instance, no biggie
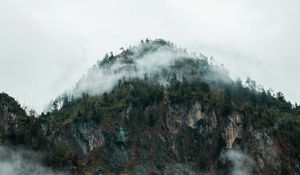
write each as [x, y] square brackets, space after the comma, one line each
[241, 163]
[100, 79]
[158, 60]
[21, 162]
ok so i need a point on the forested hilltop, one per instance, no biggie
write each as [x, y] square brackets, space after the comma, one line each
[157, 109]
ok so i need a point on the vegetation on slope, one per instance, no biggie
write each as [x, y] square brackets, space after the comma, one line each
[187, 80]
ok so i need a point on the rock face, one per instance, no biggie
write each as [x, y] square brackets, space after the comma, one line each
[163, 139]
[263, 150]
[194, 115]
[83, 136]
[233, 129]
[183, 139]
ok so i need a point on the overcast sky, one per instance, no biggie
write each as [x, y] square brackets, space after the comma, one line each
[46, 46]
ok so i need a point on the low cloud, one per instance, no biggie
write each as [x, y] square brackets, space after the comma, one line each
[241, 163]
[154, 60]
[22, 162]
[101, 79]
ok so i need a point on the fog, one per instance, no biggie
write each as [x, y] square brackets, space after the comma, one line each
[46, 46]
[102, 79]
[241, 163]
[21, 162]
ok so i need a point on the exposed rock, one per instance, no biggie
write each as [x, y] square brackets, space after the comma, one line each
[175, 118]
[180, 116]
[158, 139]
[83, 135]
[194, 115]
[233, 129]
[263, 148]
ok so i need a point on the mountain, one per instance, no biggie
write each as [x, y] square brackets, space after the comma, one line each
[157, 109]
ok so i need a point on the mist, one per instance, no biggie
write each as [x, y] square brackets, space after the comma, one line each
[46, 46]
[16, 161]
[102, 79]
[241, 163]
[153, 60]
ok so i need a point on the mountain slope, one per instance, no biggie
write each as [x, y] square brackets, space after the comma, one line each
[156, 109]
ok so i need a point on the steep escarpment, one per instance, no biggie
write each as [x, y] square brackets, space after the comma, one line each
[190, 136]
[156, 109]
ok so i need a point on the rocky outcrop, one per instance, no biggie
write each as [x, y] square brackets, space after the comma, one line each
[160, 139]
[263, 150]
[236, 131]
[175, 118]
[85, 136]
[194, 117]
[233, 129]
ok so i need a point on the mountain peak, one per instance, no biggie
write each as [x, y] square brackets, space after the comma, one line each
[128, 55]
[156, 109]
[157, 59]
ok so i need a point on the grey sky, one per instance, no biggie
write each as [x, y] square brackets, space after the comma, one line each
[46, 46]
